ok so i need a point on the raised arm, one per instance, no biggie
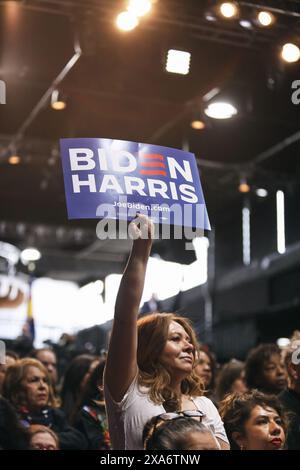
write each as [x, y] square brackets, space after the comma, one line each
[121, 365]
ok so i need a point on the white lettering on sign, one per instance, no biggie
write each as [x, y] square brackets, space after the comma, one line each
[123, 162]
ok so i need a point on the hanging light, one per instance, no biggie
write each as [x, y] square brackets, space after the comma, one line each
[265, 18]
[14, 160]
[127, 21]
[139, 7]
[220, 110]
[228, 10]
[178, 62]
[261, 192]
[29, 255]
[244, 187]
[290, 52]
[198, 124]
[58, 102]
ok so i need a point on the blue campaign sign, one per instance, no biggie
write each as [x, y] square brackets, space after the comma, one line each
[117, 178]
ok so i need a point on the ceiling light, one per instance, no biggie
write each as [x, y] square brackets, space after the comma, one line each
[14, 160]
[265, 18]
[198, 124]
[228, 9]
[139, 7]
[127, 21]
[57, 101]
[290, 53]
[246, 24]
[283, 342]
[244, 187]
[178, 62]
[261, 192]
[210, 17]
[220, 110]
[30, 254]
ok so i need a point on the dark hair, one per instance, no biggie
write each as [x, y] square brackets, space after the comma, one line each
[12, 354]
[236, 409]
[230, 372]
[213, 366]
[13, 436]
[91, 391]
[36, 352]
[255, 363]
[74, 375]
[171, 434]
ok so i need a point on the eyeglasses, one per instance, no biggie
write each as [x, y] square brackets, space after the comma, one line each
[180, 414]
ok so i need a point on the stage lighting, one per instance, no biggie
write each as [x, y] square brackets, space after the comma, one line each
[139, 7]
[220, 110]
[265, 18]
[228, 10]
[290, 53]
[58, 101]
[127, 21]
[178, 62]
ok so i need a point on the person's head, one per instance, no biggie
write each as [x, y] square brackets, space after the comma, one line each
[92, 389]
[254, 421]
[10, 359]
[166, 355]
[292, 361]
[27, 384]
[48, 358]
[205, 368]
[264, 369]
[73, 381]
[42, 438]
[177, 431]
[231, 379]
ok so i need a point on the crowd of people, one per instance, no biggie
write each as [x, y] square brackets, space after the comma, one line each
[155, 388]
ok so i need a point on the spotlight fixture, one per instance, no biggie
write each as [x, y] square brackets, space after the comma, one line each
[261, 192]
[58, 102]
[290, 53]
[178, 61]
[139, 7]
[14, 160]
[265, 18]
[244, 187]
[229, 10]
[30, 254]
[127, 21]
[246, 24]
[220, 110]
[198, 124]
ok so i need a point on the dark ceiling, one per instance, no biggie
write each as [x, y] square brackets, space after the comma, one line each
[118, 88]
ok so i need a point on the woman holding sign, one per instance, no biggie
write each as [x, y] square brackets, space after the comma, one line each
[150, 365]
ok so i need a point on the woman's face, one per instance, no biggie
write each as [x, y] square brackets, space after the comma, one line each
[204, 368]
[263, 430]
[43, 441]
[274, 374]
[178, 353]
[239, 385]
[35, 389]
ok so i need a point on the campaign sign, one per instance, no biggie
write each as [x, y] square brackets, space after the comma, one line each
[117, 178]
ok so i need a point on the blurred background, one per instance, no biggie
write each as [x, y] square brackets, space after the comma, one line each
[219, 79]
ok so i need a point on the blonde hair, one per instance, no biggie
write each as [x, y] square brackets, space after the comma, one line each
[152, 336]
[39, 429]
[12, 386]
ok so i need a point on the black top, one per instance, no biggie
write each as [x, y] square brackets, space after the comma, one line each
[69, 437]
[291, 401]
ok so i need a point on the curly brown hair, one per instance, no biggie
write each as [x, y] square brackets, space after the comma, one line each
[12, 386]
[152, 336]
[236, 409]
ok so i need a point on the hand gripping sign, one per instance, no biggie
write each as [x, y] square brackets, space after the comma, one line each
[117, 178]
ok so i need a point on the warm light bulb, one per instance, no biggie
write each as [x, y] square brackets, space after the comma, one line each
[290, 53]
[127, 21]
